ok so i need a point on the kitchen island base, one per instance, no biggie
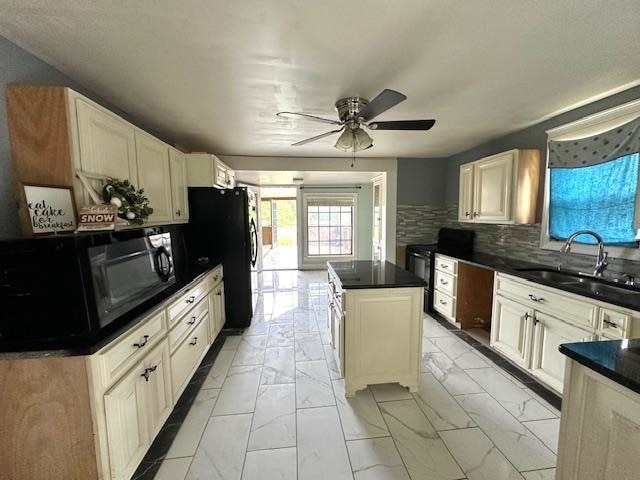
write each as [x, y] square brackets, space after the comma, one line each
[376, 333]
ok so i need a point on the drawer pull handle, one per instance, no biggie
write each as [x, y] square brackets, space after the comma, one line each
[442, 265]
[195, 340]
[536, 299]
[526, 316]
[535, 321]
[147, 372]
[610, 323]
[192, 321]
[466, 214]
[215, 278]
[443, 282]
[442, 302]
[219, 293]
[143, 342]
[191, 299]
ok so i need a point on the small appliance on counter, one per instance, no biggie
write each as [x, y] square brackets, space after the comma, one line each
[223, 227]
[69, 291]
[420, 257]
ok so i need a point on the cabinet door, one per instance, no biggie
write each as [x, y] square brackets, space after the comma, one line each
[179, 197]
[511, 330]
[465, 195]
[492, 188]
[220, 174]
[107, 144]
[127, 435]
[600, 429]
[231, 178]
[547, 362]
[377, 221]
[156, 385]
[216, 311]
[337, 331]
[154, 176]
[220, 308]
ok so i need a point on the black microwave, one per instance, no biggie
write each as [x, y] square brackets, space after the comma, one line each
[69, 291]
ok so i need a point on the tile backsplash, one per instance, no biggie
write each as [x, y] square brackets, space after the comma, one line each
[420, 224]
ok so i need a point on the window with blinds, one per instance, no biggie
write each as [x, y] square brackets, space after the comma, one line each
[330, 226]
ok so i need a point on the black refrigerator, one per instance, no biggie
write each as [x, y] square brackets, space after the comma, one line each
[223, 228]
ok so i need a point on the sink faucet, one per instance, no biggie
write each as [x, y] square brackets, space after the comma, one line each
[601, 259]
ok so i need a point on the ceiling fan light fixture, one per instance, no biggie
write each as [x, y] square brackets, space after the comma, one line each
[354, 140]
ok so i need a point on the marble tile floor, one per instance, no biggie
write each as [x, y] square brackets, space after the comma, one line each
[271, 406]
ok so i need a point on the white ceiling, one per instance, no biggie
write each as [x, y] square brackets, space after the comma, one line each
[307, 178]
[211, 74]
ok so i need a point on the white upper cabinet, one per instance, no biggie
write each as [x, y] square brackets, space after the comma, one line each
[465, 205]
[502, 188]
[154, 176]
[178, 167]
[107, 144]
[492, 188]
[206, 170]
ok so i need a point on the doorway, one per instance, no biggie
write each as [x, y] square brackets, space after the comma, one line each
[279, 228]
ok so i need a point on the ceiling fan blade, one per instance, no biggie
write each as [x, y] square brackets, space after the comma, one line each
[403, 125]
[383, 102]
[317, 137]
[310, 117]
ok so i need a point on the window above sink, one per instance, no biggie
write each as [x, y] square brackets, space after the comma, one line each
[592, 182]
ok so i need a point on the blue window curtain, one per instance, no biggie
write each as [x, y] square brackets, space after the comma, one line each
[601, 197]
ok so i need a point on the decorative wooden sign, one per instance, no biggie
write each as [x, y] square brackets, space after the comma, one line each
[50, 209]
[97, 217]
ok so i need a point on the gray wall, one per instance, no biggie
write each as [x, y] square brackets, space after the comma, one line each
[19, 66]
[420, 181]
[532, 137]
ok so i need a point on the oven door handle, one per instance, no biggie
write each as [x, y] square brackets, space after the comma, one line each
[162, 261]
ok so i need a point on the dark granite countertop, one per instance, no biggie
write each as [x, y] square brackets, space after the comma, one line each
[618, 360]
[369, 274]
[628, 298]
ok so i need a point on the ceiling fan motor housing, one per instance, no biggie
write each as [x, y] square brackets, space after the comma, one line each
[349, 107]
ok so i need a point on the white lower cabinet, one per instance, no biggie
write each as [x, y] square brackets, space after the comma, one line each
[188, 355]
[530, 321]
[599, 428]
[549, 333]
[135, 409]
[511, 330]
[138, 377]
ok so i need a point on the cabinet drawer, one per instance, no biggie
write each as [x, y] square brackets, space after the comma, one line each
[445, 283]
[555, 302]
[213, 278]
[128, 349]
[444, 304]
[446, 264]
[613, 324]
[185, 302]
[185, 359]
[187, 323]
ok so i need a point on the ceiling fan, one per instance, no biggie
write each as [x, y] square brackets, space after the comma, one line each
[357, 112]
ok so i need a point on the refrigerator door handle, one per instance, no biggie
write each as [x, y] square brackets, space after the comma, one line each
[253, 231]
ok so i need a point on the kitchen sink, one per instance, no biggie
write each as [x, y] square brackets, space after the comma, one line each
[556, 276]
[584, 282]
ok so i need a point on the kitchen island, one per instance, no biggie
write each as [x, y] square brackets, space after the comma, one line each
[375, 319]
[600, 421]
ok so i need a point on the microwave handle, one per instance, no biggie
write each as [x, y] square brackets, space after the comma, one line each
[163, 269]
